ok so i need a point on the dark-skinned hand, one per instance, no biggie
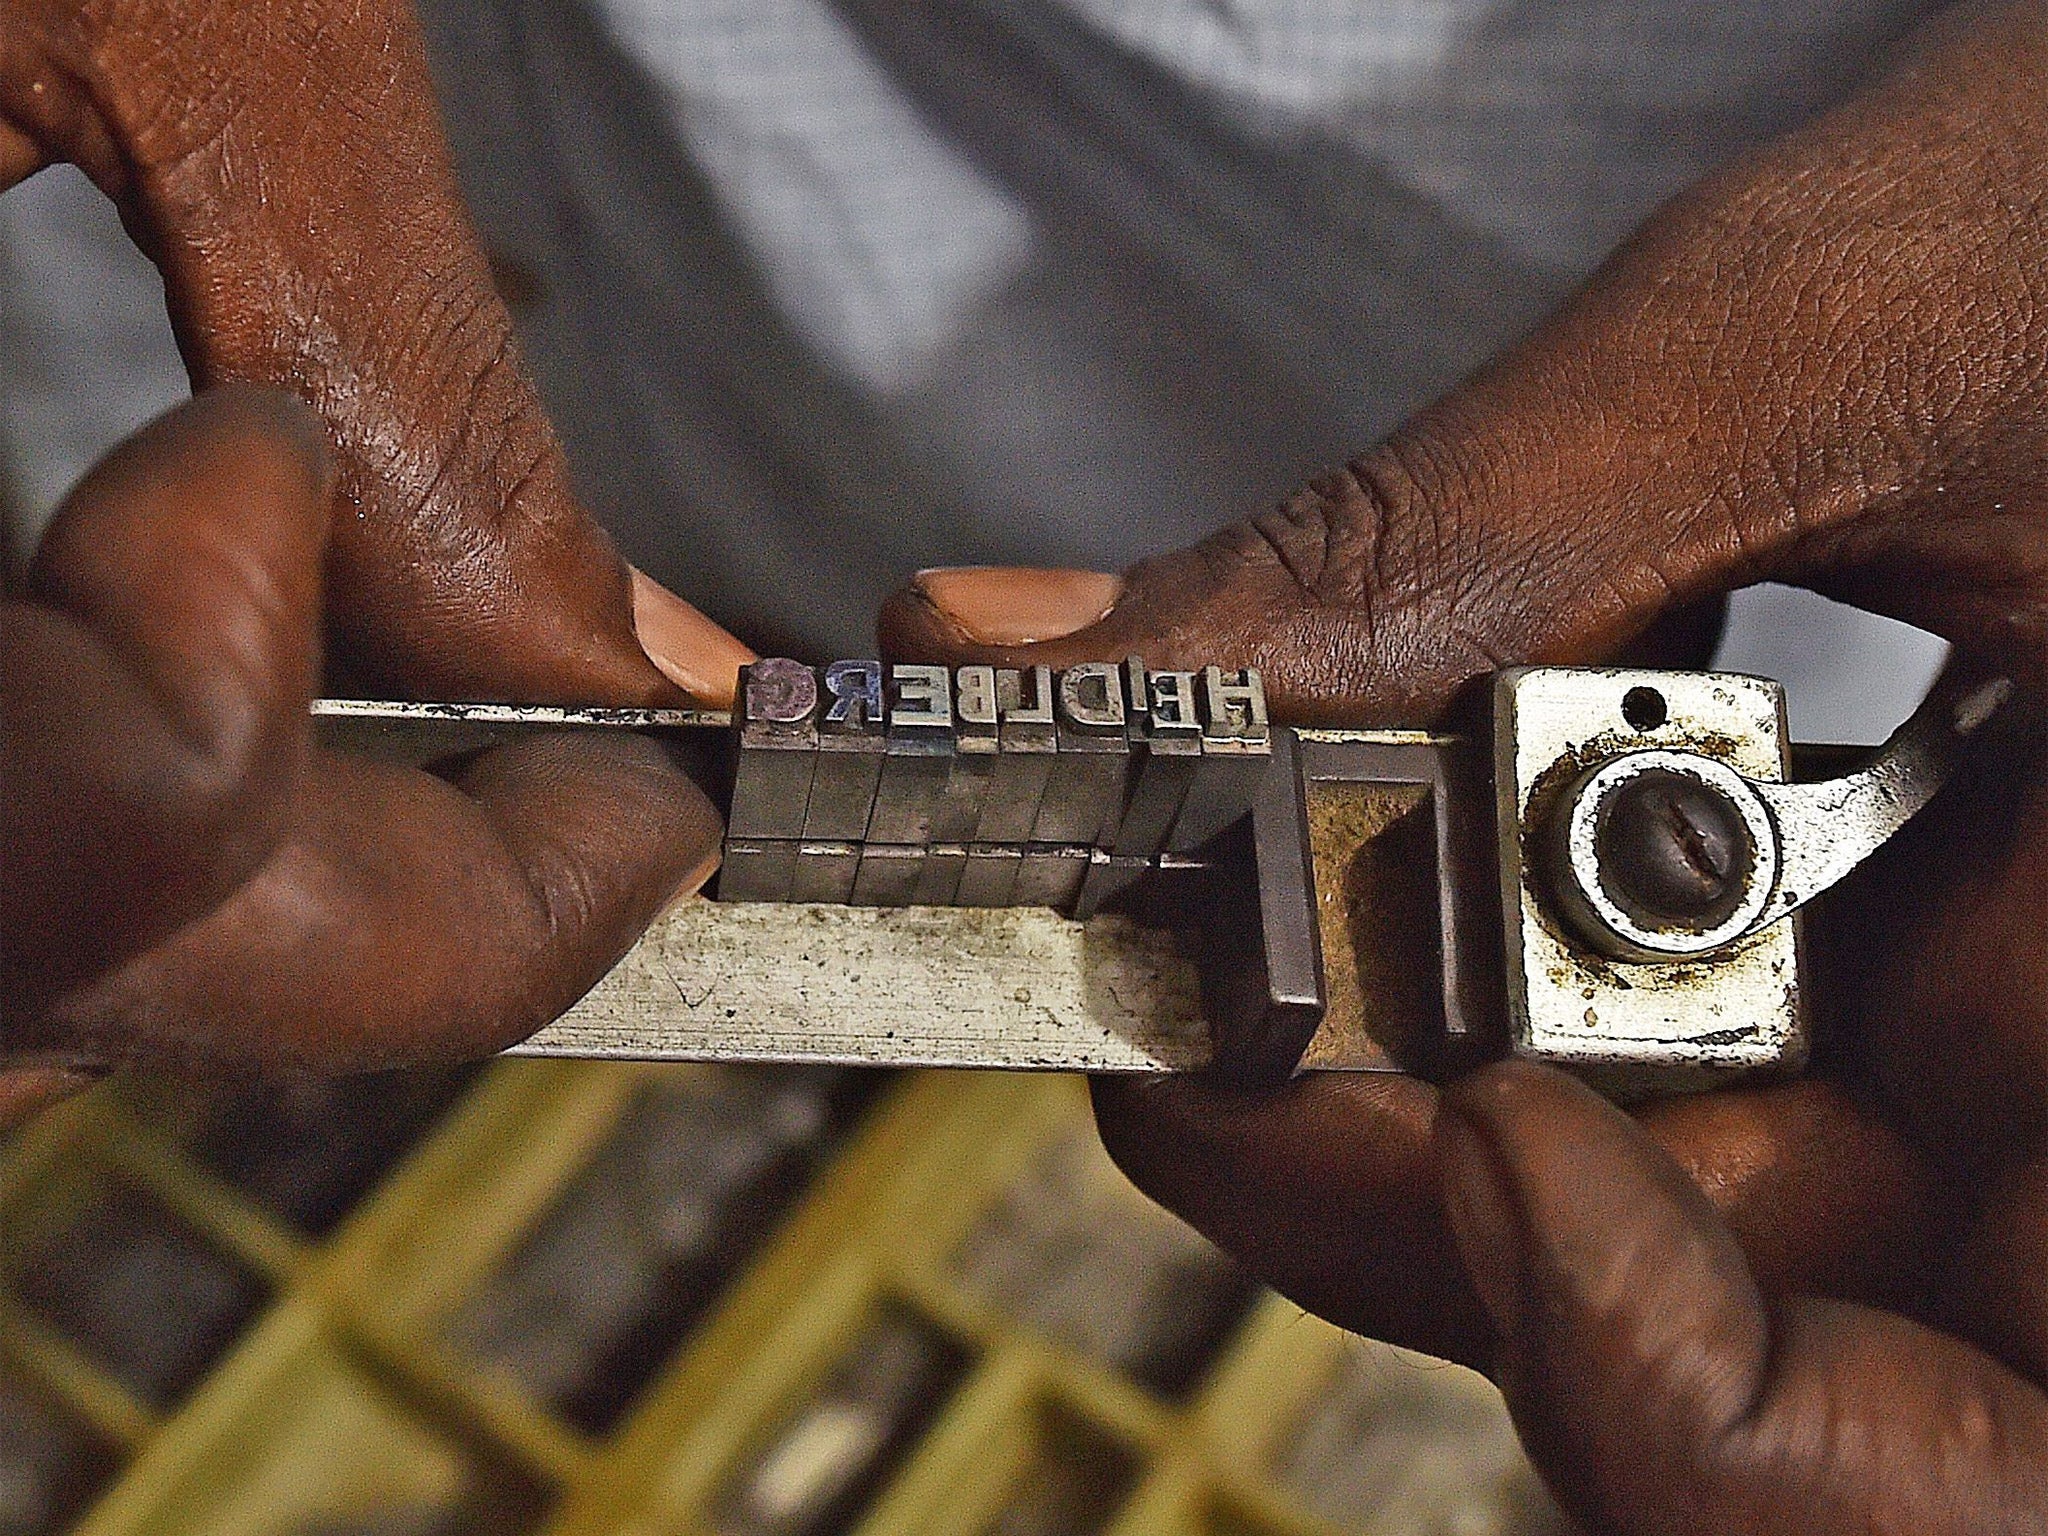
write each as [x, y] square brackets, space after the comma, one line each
[1814, 1307]
[181, 875]
[186, 878]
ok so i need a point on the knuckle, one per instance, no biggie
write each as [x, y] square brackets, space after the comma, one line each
[1326, 537]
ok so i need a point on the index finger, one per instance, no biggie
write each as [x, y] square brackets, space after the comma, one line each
[285, 168]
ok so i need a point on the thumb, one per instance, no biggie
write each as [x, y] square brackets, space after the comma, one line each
[1655, 1386]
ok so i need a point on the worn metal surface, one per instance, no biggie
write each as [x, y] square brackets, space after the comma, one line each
[1634, 1027]
[403, 732]
[917, 986]
[1406, 905]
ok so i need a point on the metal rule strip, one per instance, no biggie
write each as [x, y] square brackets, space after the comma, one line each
[1017, 987]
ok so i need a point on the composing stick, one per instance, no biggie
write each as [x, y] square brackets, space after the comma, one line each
[1318, 900]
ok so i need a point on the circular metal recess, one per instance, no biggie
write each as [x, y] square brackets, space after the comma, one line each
[1609, 885]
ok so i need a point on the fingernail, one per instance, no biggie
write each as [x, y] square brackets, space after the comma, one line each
[1484, 1217]
[692, 652]
[1007, 605]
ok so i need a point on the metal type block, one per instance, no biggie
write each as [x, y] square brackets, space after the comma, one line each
[825, 872]
[1137, 693]
[1050, 875]
[888, 875]
[1109, 876]
[956, 818]
[977, 745]
[1166, 748]
[1237, 748]
[1263, 981]
[1234, 705]
[919, 757]
[776, 725]
[852, 738]
[989, 878]
[1084, 799]
[757, 869]
[938, 883]
[975, 712]
[1028, 742]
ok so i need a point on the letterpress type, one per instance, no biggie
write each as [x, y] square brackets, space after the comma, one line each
[919, 756]
[1084, 799]
[1050, 875]
[1028, 743]
[938, 880]
[852, 736]
[957, 817]
[756, 869]
[989, 878]
[888, 875]
[1166, 746]
[1109, 876]
[825, 872]
[776, 723]
[1237, 748]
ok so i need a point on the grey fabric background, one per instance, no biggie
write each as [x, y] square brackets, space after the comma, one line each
[826, 290]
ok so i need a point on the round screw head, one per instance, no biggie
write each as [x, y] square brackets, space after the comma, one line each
[1673, 851]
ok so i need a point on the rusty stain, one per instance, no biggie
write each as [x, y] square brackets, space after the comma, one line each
[1374, 972]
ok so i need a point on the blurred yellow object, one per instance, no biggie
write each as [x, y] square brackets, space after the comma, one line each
[599, 1299]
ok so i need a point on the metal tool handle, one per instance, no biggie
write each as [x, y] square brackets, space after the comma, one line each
[1825, 830]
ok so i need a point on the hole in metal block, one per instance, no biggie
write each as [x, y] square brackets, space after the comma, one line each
[696, 1175]
[1644, 708]
[141, 1292]
[1074, 1253]
[818, 1473]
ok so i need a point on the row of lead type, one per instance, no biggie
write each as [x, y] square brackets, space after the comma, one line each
[904, 785]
